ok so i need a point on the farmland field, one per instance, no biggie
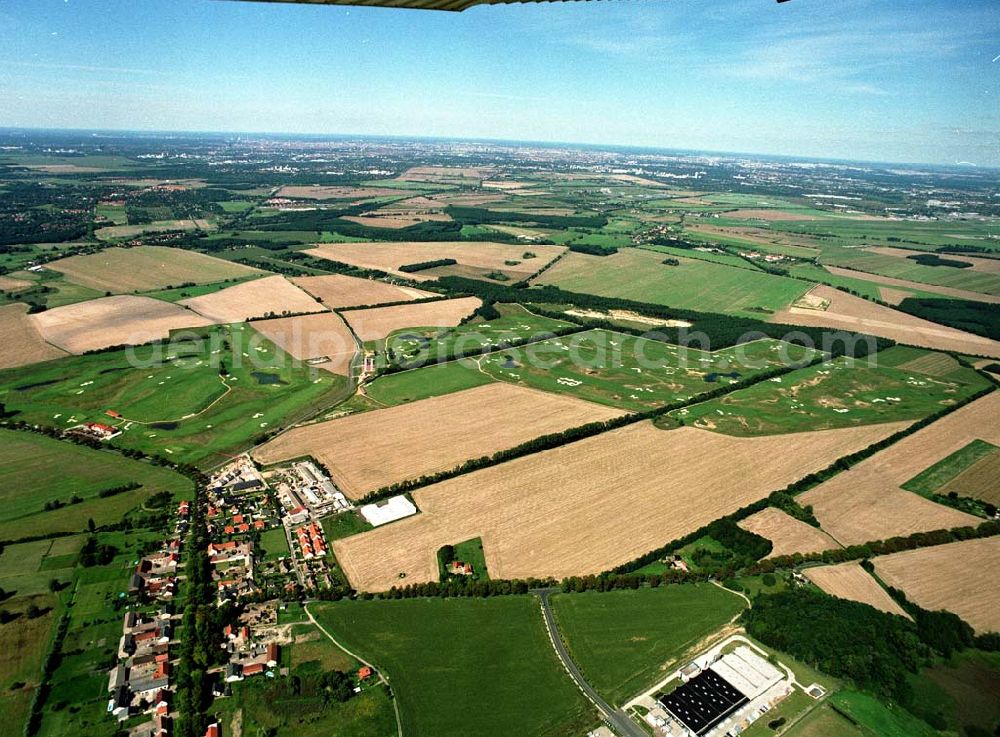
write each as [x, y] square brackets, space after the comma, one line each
[894, 262]
[378, 322]
[787, 534]
[847, 312]
[273, 295]
[317, 336]
[633, 373]
[625, 641]
[694, 284]
[367, 451]
[144, 268]
[591, 505]
[838, 393]
[868, 717]
[21, 340]
[495, 650]
[958, 577]
[851, 581]
[338, 290]
[35, 470]
[943, 475]
[431, 381]
[428, 345]
[476, 256]
[112, 321]
[867, 502]
[172, 399]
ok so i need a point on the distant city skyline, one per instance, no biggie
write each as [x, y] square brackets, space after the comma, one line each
[859, 80]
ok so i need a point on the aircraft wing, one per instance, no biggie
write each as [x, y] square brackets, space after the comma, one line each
[455, 5]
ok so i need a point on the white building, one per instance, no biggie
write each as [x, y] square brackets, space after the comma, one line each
[395, 508]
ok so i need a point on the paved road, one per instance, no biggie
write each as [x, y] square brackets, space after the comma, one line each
[616, 719]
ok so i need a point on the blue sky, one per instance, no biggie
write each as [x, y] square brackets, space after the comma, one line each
[889, 80]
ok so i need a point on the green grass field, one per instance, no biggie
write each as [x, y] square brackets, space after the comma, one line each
[854, 714]
[831, 395]
[614, 369]
[172, 398]
[274, 542]
[35, 469]
[621, 640]
[961, 692]
[431, 381]
[427, 345]
[930, 480]
[694, 284]
[464, 666]
[344, 524]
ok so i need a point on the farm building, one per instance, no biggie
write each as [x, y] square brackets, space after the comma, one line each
[396, 508]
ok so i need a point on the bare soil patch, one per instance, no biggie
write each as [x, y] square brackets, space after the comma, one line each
[379, 322]
[339, 290]
[22, 342]
[867, 502]
[111, 321]
[590, 505]
[273, 295]
[144, 268]
[959, 577]
[312, 337]
[787, 534]
[389, 257]
[847, 312]
[852, 582]
[396, 220]
[367, 451]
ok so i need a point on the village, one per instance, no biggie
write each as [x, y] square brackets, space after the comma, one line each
[266, 547]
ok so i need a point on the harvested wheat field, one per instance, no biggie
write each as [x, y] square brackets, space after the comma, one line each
[588, 506]
[21, 341]
[389, 257]
[313, 337]
[852, 582]
[273, 295]
[338, 290]
[787, 534]
[140, 269]
[10, 284]
[960, 577]
[913, 285]
[847, 312]
[979, 481]
[367, 451]
[119, 232]
[318, 192]
[867, 502]
[379, 322]
[111, 321]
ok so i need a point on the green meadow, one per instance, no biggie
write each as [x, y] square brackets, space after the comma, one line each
[621, 640]
[460, 666]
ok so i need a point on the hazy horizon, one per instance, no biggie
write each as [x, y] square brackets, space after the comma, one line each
[889, 82]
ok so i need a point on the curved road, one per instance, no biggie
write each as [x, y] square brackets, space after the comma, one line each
[616, 719]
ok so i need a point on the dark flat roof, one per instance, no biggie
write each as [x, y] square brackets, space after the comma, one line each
[703, 702]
